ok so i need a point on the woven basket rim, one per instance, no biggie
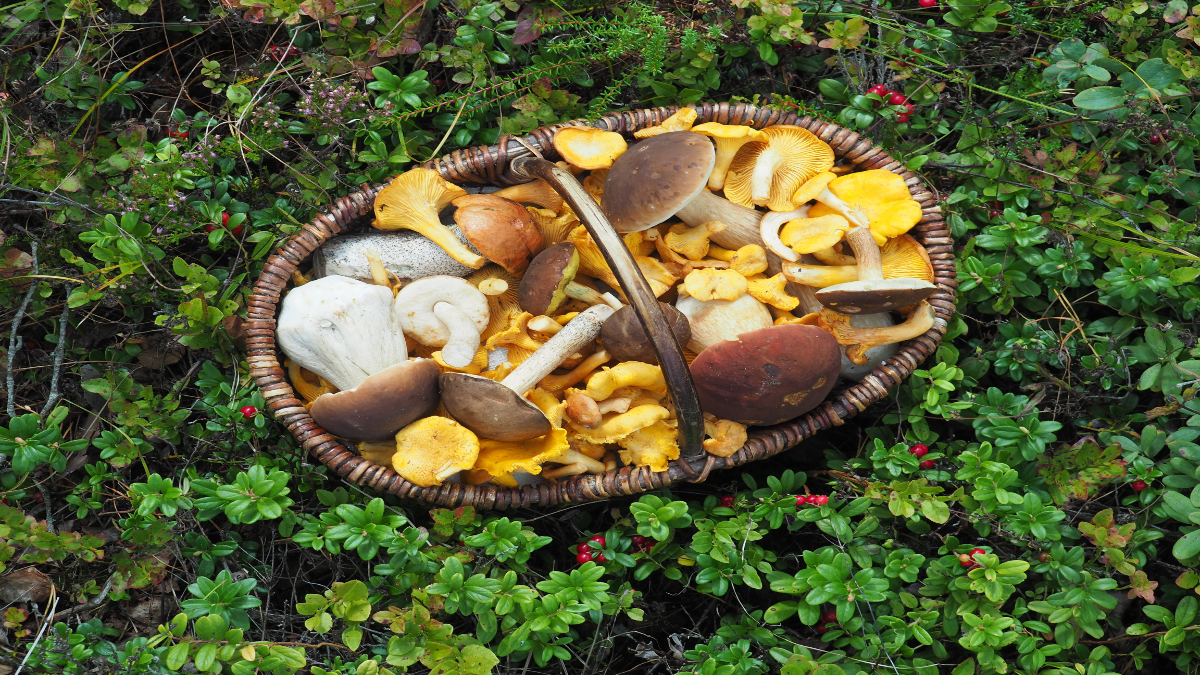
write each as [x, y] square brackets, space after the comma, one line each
[489, 165]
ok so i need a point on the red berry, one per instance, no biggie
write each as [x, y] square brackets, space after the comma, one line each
[902, 118]
[583, 557]
[897, 99]
[237, 231]
[727, 500]
[249, 411]
[910, 108]
[599, 557]
[828, 616]
[1044, 557]
[919, 450]
[877, 89]
[821, 500]
[918, 51]
[821, 628]
[976, 551]
[1155, 139]
[1139, 485]
[599, 539]
[209, 228]
[437, 82]
[582, 547]
[927, 464]
[225, 219]
[638, 540]
[994, 214]
[37, 497]
[801, 500]
[927, 3]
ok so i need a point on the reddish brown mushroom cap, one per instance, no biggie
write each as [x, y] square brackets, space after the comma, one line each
[543, 288]
[383, 404]
[501, 229]
[767, 376]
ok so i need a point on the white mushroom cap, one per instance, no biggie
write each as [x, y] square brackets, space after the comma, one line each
[341, 329]
[715, 321]
[444, 311]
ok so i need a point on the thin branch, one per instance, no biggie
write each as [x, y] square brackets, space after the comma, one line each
[59, 352]
[15, 342]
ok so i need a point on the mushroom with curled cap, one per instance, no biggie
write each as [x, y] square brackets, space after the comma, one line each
[625, 338]
[725, 437]
[768, 171]
[714, 321]
[860, 340]
[692, 242]
[346, 332]
[445, 312]
[652, 446]
[537, 192]
[550, 280]
[729, 138]
[767, 376]
[502, 459]
[706, 284]
[433, 449]
[588, 147]
[499, 410]
[666, 176]
[501, 229]
[878, 204]
[413, 201]
[901, 257]
[682, 120]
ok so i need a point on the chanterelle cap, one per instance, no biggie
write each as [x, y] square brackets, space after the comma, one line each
[655, 178]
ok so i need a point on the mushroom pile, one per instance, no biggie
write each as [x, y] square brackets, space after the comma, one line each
[499, 347]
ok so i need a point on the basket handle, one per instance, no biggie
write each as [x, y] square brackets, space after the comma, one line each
[645, 305]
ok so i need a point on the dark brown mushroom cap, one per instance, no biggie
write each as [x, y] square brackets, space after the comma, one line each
[655, 178]
[383, 404]
[543, 288]
[874, 297]
[767, 376]
[626, 340]
[491, 409]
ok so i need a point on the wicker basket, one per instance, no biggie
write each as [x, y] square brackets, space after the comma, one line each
[491, 165]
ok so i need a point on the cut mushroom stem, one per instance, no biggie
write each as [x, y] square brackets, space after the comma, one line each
[544, 325]
[493, 287]
[460, 349]
[574, 463]
[580, 292]
[578, 333]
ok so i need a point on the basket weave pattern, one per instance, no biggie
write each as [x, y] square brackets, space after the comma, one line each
[489, 165]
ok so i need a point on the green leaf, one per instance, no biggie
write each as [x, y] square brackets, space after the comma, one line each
[1100, 98]
[177, 655]
[1188, 547]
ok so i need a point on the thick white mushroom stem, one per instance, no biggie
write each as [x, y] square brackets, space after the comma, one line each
[867, 253]
[741, 223]
[578, 333]
[460, 349]
[574, 463]
[852, 213]
[769, 231]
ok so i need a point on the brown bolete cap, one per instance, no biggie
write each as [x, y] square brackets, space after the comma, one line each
[501, 229]
[767, 376]
[382, 404]
[655, 178]
[873, 297]
[625, 338]
[491, 409]
[543, 288]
